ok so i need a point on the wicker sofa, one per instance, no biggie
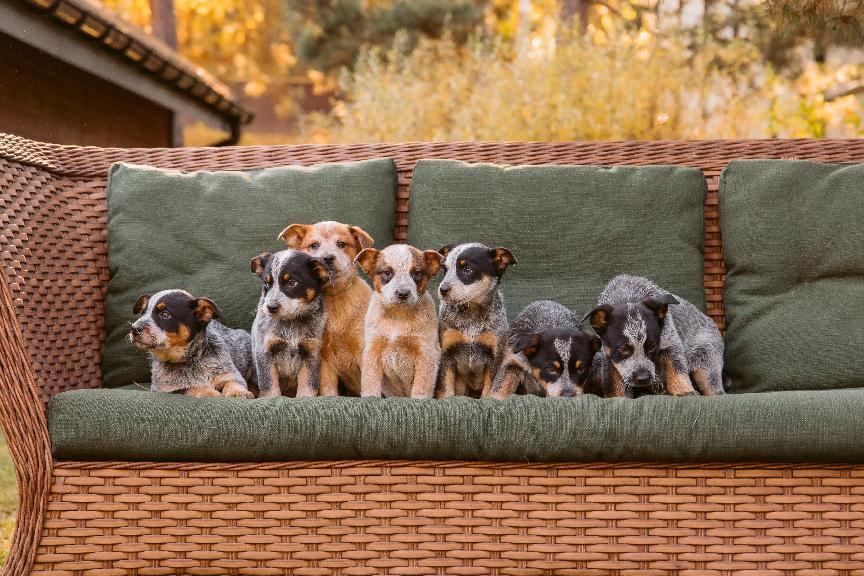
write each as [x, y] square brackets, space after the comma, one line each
[368, 517]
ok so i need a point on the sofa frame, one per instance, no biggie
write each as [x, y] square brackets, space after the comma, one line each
[368, 517]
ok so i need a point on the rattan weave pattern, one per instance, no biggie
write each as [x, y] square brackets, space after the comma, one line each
[451, 518]
[368, 517]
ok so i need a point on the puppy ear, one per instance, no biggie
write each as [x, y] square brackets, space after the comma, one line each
[366, 259]
[259, 263]
[205, 309]
[319, 270]
[660, 305]
[600, 318]
[293, 235]
[445, 250]
[527, 344]
[363, 239]
[432, 261]
[140, 304]
[502, 258]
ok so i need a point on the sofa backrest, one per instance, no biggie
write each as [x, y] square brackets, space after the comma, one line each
[53, 217]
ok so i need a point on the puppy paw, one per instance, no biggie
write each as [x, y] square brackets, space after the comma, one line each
[236, 391]
[202, 393]
[686, 393]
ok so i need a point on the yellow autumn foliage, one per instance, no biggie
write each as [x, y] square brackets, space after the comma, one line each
[629, 86]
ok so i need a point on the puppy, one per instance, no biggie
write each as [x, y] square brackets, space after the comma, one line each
[345, 298]
[473, 321]
[401, 354]
[190, 350]
[649, 347]
[289, 323]
[548, 354]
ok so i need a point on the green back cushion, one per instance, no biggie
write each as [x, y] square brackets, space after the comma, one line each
[793, 237]
[197, 231]
[571, 228]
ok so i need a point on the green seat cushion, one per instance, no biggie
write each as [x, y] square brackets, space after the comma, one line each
[571, 228]
[197, 231]
[793, 238]
[823, 426]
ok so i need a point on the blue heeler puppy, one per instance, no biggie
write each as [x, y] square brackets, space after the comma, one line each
[289, 323]
[191, 352]
[549, 354]
[472, 320]
[654, 342]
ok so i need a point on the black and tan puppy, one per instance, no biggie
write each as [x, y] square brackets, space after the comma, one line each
[346, 298]
[191, 352]
[654, 342]
[472, 318]
[549, 354]
[289, 323]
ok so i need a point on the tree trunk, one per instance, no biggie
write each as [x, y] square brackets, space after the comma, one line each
[571, 9]
[163, 22]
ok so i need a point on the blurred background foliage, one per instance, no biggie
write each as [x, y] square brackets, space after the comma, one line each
[403, 70]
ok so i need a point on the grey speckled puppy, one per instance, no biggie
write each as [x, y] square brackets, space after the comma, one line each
[548, 354]
[190, 350]
[654, 342]
[289, 323]
[472, 318]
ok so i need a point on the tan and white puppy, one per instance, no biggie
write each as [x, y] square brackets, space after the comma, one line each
[346, 298]
[401, 352]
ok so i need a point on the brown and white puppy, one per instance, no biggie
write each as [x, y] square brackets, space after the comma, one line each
[401, 353]
[191, 352]
[346, 298]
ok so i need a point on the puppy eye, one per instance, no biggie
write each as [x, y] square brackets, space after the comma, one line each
[467, 270]
[314, 246]
[341, 244]
[552, 368]
[625, 351]
[386, 275]
[444, 268]
[165, 315]
[416, 275]
[291, 283]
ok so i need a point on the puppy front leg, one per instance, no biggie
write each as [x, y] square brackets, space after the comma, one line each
[425, 374]
[487, 380]
[329, 378]
[447, 385]
[309, 377]
[268, 377]
[231, 385]
[506, 381]
[676, 372]
[372, 374]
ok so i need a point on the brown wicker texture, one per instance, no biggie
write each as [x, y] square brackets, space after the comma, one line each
[413, 518]
[367, 517]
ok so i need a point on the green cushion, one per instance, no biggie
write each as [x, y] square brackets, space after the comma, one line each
[793, 237]
[571, 228]
[198, 231]
[820, 426]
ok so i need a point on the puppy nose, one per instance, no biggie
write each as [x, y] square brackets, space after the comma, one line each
[272, 308]
[444, 289]
[135, 330]
[403, 293]
[329, 260]
[642, 378]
